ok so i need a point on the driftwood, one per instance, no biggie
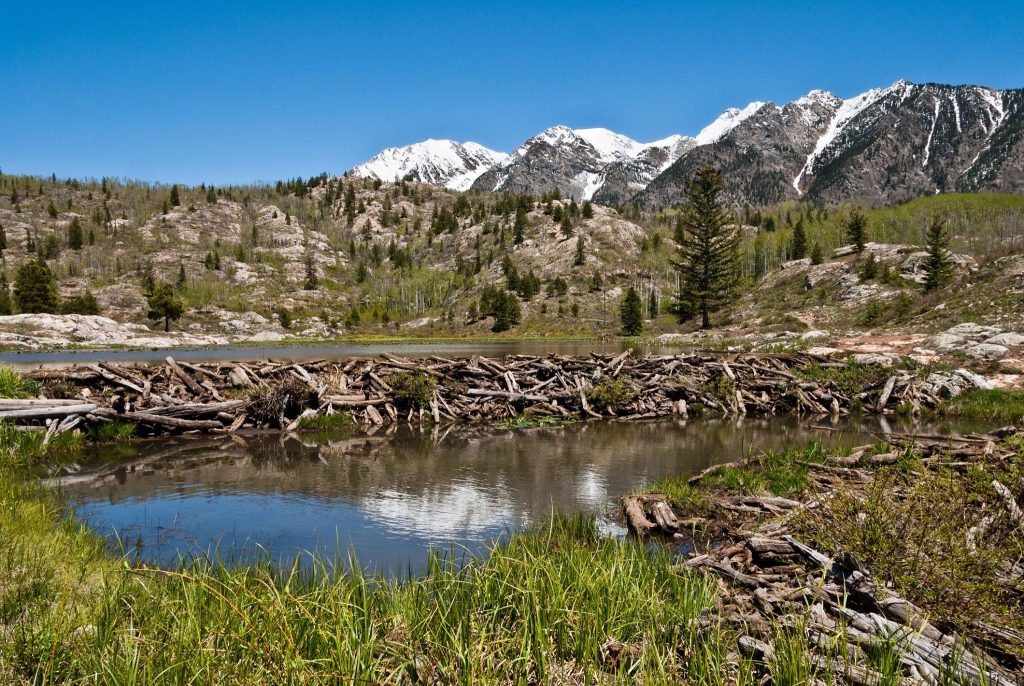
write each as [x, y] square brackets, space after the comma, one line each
[769, 576]
[229, 396]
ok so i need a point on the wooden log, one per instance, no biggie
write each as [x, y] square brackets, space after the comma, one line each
[509, 395]
[725, 570]
[24, 404]
[116, 380]
[49, 411]
[636, 516]
[160, 420]
[189, 382]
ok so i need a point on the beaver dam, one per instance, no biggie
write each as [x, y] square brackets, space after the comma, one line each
[177, 397]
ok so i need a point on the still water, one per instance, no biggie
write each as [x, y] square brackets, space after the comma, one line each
[390, 498]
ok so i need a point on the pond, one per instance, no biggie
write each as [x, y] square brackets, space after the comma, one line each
[391, 498]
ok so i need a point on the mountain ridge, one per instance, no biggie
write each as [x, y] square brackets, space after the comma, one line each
[882, 145]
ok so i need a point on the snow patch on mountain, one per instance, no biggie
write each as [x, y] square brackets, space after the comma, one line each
[440, 162]
[843, 116]
[587, 183]
[610, 146]
[931, 134]
[994, 100]
[726, 122]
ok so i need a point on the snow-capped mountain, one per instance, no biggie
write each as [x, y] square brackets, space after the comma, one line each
[884, 145]
[438, 162]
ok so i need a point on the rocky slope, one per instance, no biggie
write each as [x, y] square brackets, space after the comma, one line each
[882, 146]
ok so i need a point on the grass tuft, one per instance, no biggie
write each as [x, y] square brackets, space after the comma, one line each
[998, 405]
[12, 385]
[339, 422]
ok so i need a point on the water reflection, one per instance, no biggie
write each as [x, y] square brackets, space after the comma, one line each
[391, 497]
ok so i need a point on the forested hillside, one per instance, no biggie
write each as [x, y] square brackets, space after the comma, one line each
[331, 256]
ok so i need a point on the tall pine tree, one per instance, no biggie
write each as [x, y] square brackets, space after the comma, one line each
[708, 253]
[164, 304]
[581, 256]
[938, 267]
[630, 315]
[857, 229]
[75, 235]
[35, 288]
[799, 240]
[519, 226]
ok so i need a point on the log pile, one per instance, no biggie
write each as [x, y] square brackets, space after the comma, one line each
[769, 577]
[177, 397]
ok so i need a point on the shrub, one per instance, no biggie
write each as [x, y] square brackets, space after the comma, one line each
[80, 304]
[612, 392]
[412, 389]
[272, 404]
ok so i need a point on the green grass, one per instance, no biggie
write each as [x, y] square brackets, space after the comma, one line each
[338, 422]
[997, 405]
[778, 473]
[527, 422]
[538, 606]
[12, 385]
[911, 527]
[681, 495]
[111, 432]
[850, 378]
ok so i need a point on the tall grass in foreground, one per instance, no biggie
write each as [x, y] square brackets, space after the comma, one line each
[539, 607]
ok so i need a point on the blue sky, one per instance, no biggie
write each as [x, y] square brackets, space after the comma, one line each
[243, 91]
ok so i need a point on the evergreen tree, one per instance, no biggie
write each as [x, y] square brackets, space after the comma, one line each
[312, 282]
[588, 210]
[80, 304]
[164, 304]
[581, 257]
[856, 229]
[519, 226]
[869, 269]
[3, 239]
[816, 256]
[148, 280]
[506, 311]
[938, 266]
[630, 315]
[35, 289]
[596, 284]
[75, 236]
[653, 309]
[566, 226]
[799, 240]
[182, 277]
[708, 256]
[6, 307]
[175, 199]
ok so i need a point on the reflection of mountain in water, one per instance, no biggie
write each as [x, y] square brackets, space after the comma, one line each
[410, 489]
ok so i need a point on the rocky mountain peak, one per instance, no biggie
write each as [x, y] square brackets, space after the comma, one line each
[444, 163]
[882, 145]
